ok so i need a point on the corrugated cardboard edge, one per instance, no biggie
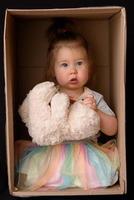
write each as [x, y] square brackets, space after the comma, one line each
[68, 11]
[9, 141]
[124, 171]
[6, 102]
[71, 192]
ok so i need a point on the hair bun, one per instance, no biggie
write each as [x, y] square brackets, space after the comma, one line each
[59, 26]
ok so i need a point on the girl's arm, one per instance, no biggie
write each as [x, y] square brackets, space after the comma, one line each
[108, 123]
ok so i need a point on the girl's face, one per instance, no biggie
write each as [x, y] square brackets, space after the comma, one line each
[71, 67]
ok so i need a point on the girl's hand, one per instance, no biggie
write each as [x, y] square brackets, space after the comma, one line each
[91, 102]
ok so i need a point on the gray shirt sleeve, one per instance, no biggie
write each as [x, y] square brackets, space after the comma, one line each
[101, 104]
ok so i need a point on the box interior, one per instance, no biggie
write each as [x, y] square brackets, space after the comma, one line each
[25, 46]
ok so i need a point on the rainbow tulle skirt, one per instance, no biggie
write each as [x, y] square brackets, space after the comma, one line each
[74, 164]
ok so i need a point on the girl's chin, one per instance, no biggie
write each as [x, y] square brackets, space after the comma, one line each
[72, 87]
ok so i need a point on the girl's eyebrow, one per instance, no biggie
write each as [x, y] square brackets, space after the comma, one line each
[60, 61]
[81, 58]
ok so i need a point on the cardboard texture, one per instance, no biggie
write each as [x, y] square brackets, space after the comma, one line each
[25, 47]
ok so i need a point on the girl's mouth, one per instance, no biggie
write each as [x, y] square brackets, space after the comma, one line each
[73, 81]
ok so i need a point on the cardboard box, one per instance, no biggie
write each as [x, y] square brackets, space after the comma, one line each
[24, 60]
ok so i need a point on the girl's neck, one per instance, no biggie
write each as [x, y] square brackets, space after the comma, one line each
[72, 93]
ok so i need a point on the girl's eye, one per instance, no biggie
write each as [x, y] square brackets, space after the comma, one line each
[79, 63]
[64, 64]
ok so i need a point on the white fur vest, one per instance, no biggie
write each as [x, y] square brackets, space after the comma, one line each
[51, 119]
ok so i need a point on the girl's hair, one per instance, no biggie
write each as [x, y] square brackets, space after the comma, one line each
[60, 33]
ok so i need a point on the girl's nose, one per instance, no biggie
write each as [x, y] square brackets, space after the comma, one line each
[73, 70]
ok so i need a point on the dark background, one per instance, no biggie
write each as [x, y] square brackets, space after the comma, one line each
[29, 4]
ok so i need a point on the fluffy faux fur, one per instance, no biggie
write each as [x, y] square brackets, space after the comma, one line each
[51, 119]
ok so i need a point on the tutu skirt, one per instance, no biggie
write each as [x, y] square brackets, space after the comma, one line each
[72, 164]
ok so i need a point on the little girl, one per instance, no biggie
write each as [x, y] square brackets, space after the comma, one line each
[71, 163]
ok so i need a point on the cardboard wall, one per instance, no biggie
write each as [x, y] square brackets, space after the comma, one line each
[25, 47]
